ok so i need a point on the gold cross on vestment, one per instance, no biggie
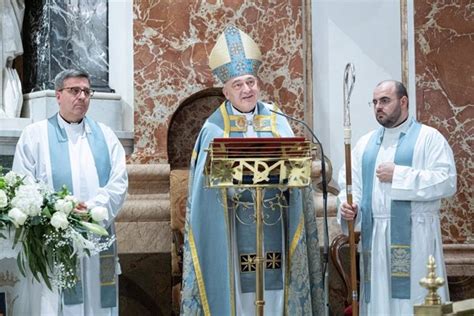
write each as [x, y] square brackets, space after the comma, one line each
[247, 263]
[273, 260]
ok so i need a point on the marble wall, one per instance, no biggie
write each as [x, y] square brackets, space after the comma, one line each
[65, 34]
[172, 42]
[444, 36]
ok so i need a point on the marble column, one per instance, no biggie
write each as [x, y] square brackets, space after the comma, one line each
[65, 34]
[444, 44]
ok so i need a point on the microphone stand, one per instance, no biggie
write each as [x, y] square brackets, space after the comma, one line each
[325, 210]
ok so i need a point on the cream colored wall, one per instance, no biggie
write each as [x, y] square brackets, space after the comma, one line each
[366, 33]
[121, 56]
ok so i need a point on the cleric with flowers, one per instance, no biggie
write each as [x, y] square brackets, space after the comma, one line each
[73, 151]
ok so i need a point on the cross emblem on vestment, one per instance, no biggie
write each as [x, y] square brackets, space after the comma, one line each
[247, 263]
[273, 260]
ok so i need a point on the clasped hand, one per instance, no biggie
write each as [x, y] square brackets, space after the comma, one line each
[81, 210]
[384, 171]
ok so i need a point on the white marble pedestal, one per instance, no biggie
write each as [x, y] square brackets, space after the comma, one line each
[10, 130]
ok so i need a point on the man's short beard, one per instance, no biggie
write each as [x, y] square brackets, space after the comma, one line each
[387, 122]
[391, 121]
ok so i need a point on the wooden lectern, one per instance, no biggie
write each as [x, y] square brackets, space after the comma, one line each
[259, 163]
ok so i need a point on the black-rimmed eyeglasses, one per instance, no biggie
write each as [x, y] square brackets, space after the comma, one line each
[76, 91]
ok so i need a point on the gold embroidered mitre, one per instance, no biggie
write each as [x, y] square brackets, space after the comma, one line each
[235, 54]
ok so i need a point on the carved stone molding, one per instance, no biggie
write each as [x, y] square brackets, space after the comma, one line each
[459, 259]
[143, 225]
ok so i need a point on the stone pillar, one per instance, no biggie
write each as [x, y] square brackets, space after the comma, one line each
[65, 34]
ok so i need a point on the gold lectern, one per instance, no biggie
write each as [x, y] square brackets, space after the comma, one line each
[259, 163]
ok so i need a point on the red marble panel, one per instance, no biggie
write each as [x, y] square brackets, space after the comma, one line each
[172, 42]
[444, 36]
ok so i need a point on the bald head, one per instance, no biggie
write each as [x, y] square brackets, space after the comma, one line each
[400, 88]
[390, 101]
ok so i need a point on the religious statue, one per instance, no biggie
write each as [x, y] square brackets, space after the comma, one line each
[11, 17]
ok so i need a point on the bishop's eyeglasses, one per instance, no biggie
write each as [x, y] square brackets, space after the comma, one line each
[76, 91]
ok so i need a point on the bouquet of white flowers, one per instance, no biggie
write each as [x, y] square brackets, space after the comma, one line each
[53, 228]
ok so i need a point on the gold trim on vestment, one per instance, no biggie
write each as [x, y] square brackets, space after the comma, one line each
[106, 256]
[400, 259]
[400, 274]
[225, 118]
[197, 271]
[259, 123]
[294, 244]
[240, 123]
[274, 124]
[296, 238]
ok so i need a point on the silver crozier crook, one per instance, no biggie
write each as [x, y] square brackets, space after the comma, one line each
[349, 80]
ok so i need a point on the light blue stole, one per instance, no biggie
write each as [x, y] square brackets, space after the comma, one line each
[400, 217]
[245, 232]
[61, 175]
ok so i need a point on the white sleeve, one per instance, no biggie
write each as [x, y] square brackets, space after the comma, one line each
[433, 175]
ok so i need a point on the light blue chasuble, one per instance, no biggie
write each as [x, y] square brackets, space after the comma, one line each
[208, 268]
[400, 214]
[62, 176]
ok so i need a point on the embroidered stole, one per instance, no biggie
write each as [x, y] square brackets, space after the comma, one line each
[400, 214]
[61, 175]
[244, 210]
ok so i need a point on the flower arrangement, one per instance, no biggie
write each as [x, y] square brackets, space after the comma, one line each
[53, 228]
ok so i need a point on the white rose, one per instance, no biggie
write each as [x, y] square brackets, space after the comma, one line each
[28, 199]
[17, 216]
[3, 199]
[99, 213]
[63, 206]
[59, 220]
[11, 178]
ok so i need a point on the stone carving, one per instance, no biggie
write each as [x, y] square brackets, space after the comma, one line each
[11, 17]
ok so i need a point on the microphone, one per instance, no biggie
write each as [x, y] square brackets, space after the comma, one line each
[325, 204]
[323, 179]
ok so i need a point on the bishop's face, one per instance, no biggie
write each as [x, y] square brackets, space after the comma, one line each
[243, 92]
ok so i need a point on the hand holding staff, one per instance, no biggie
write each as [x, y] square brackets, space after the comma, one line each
[349, 80]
